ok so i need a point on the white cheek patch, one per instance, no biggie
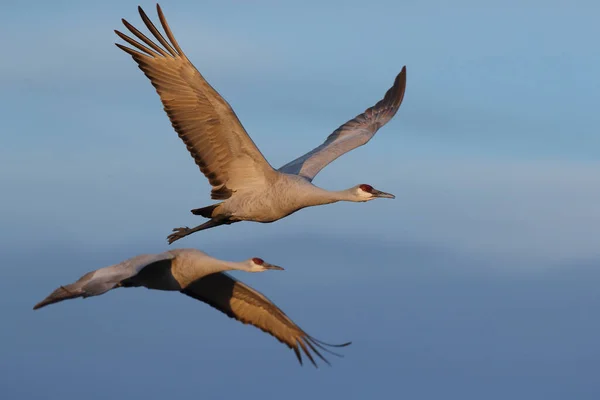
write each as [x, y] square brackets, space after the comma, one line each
[257, 267]
[364, 194]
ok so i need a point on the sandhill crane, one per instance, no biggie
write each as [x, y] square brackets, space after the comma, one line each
[240, 175]
[196, 274]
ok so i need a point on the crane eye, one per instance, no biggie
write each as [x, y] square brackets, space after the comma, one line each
[258, 261]
[366, 188]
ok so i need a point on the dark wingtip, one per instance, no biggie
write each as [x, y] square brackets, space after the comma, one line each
[298, 355]
[308, 342]
[331, 345]
[142, 12]
[159, 11]
[313, 344]
[41, 304]
[144, 16]
[130, 27]
[396, 92]
[401, 78]
[402, 75]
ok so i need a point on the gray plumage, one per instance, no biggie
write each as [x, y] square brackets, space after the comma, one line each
[251, 189]
[201, 277]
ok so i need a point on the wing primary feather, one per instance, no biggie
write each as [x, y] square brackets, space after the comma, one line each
[354, 133]
[167, 29]
[203, 120]
[316, 351]
[152, 28]
[248, 306]
[143, 37]
[329, 344]
[136, 44]
[135, 54]
[324, 348]
[393, 97]
[310, 357]
[298, 354]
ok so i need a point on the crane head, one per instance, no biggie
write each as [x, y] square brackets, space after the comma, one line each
[260, 265]
[367, 192]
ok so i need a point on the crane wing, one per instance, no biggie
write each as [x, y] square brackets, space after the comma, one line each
[354, 133]
[248, 306]
[205, 122]
[102, 280]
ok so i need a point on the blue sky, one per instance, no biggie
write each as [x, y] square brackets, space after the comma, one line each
[477, 281]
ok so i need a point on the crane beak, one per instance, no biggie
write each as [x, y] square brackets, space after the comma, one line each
[383, 195]
[271, 266]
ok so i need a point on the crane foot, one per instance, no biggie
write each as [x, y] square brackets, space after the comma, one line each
[178, 233]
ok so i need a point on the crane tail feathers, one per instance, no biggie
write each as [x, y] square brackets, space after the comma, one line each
[205, 212]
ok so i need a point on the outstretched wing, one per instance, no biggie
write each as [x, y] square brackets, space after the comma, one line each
[102, 280]
[352, 134]
[205, 122]
[248, 306]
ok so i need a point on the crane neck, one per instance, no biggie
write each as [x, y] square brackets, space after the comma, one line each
[217, 265]
[322, 196]
[187, 273]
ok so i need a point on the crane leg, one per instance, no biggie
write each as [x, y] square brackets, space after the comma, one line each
[179, 233]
